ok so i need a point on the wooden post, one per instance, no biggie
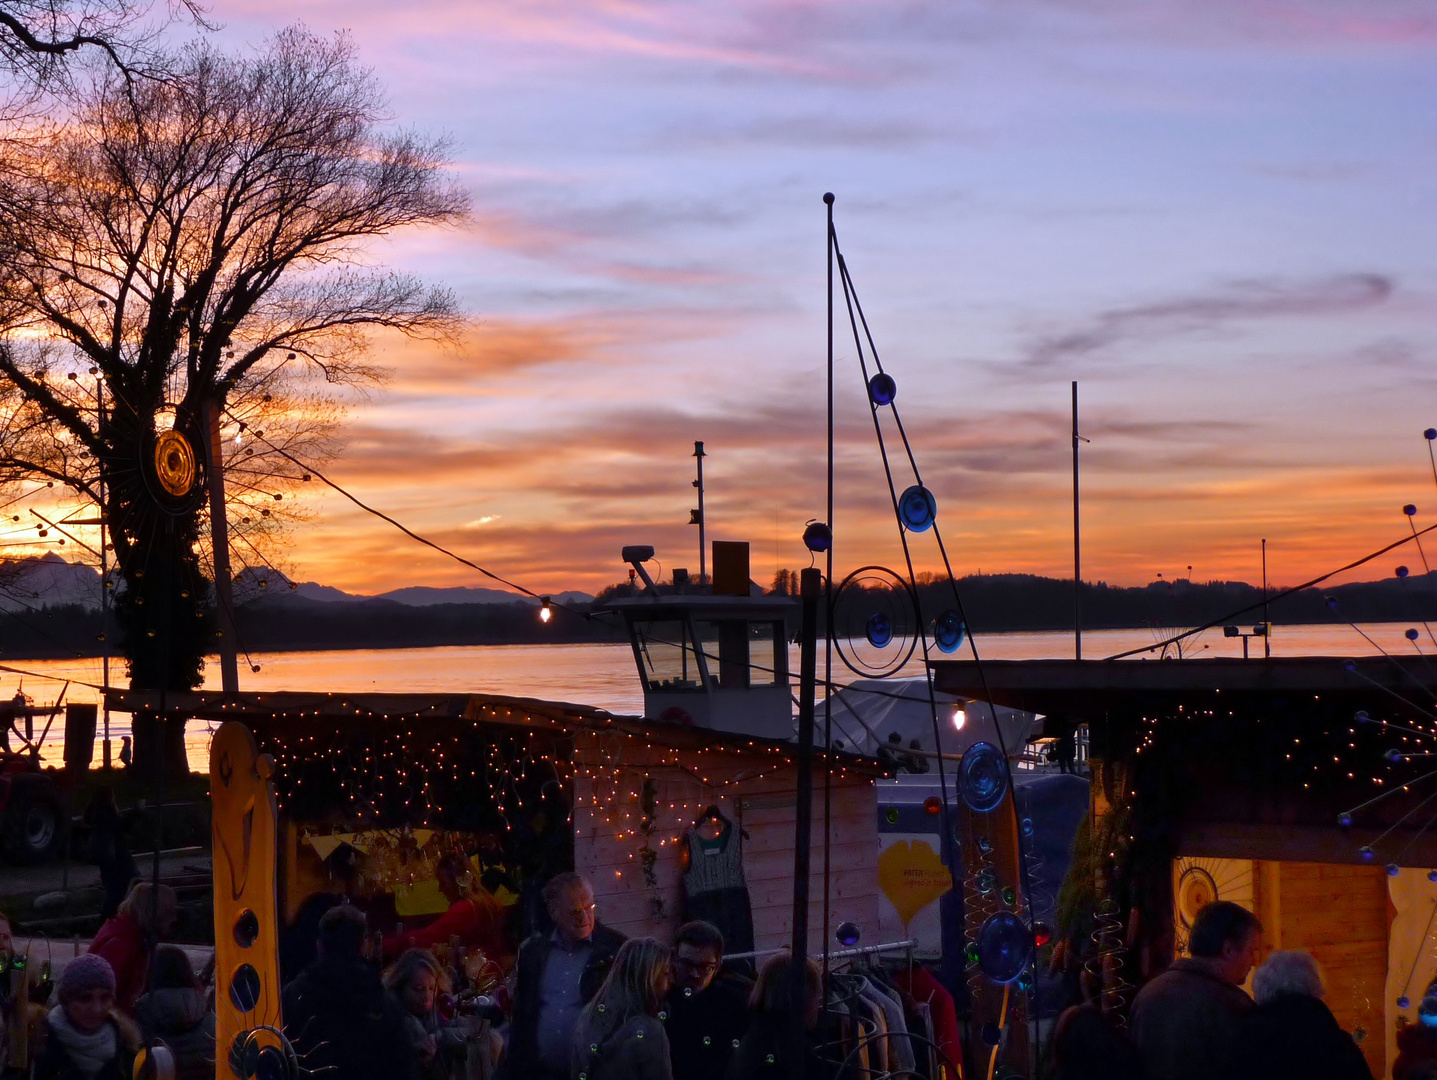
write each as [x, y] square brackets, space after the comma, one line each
[220, 542]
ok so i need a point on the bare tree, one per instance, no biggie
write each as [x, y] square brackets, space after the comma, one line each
[187, 242]
[40, 38]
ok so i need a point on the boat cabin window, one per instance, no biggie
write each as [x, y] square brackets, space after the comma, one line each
[668, 655]
[741, 654]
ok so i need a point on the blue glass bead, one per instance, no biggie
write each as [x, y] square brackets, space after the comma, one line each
[882, 389]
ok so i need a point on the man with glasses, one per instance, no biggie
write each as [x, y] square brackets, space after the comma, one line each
[555, 977]
[707, 1009]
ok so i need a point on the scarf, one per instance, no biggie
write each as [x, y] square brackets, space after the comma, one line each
[91, 1052]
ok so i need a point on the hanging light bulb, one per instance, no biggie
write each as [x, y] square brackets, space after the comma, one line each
[546, 611]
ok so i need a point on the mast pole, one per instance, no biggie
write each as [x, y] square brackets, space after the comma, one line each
[1077, 545]
[699, 513]
[1266, 619]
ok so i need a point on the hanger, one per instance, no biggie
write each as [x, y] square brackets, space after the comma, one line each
[712, 813]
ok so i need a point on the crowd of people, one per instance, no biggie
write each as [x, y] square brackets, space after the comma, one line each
[581, 1002]
[1196, 1022]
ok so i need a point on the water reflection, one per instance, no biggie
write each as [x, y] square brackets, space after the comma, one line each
[598, 675]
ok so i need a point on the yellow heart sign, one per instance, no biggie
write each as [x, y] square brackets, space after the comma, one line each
[912, 876]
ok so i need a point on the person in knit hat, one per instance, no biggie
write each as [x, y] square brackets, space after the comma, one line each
[83, 1038]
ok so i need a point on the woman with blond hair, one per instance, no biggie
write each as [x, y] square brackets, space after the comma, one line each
[128, 939]
[415, 981]
[619, 1035]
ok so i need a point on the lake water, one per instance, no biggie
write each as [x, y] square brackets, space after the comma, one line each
[604, 675]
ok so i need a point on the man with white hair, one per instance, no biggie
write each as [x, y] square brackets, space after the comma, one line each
[1291, 1032]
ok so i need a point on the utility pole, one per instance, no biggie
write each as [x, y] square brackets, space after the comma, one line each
[811, 584]
[1077, 546]
[696, 517]
[104, 582]
[1266, 621]
[220, 542]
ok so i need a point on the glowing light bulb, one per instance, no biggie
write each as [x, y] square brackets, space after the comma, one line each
[960, 717]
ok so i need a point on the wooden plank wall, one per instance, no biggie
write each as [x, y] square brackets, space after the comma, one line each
[1339, 914]
[756, 790]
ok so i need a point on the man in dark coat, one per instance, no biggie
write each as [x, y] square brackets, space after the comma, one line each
[1185, 1021]
[337, 1014]
[556, 975]
[707, 1007]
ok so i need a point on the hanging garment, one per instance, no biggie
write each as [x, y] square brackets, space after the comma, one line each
[900, 1048]
[923, 1025]
[714, 888]
[925, 988]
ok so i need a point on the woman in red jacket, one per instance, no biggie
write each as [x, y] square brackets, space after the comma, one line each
[128, 940]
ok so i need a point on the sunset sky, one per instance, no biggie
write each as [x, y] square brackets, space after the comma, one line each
[1218, 216]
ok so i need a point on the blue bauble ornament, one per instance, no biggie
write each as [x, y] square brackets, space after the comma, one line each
[882, 389]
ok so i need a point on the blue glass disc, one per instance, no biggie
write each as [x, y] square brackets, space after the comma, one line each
[882, 389]
[949, 631]
[917, 508]
[982, 777]
[879, 629]
[1004, 945]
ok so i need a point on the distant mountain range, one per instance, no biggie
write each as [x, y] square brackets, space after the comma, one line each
[50, 581]
[52, 609]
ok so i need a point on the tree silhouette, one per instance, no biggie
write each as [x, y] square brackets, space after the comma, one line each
[187, 243]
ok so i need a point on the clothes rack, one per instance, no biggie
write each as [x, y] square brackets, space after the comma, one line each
[837, 954]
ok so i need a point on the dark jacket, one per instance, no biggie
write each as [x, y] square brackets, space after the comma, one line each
[53, 1061]
[1416, 1053]
[1296, 1036]
[180, 1018]
[523, 1054]
[345, 1026]
[1185, 1023]
[703, 1028]
[638, 1050]
[763, 1053]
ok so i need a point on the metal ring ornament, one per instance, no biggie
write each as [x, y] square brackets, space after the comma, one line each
[172, 468]
[877, 639]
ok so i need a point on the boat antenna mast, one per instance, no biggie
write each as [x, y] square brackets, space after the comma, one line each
[696, 517]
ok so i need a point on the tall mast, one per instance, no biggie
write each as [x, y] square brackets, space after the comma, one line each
[696, 517]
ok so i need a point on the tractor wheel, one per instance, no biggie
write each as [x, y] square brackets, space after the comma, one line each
[34, 828]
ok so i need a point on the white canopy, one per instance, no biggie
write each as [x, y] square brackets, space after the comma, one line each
[867, 712]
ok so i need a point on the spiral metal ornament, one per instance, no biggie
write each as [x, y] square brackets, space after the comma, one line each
[1104, 965]
[875, 622]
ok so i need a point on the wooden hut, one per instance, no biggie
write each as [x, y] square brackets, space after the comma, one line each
[546, 786]
[1282, 785]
